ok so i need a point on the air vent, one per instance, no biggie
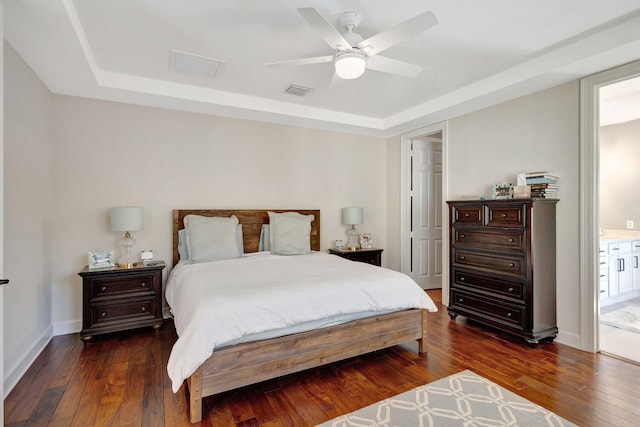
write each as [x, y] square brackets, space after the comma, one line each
[297, 90]
[196, 65]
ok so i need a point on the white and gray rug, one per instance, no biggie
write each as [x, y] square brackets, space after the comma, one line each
[627, 317]
[463, 399]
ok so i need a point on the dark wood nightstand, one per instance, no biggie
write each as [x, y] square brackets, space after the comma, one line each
[116, 299]
[369, 256]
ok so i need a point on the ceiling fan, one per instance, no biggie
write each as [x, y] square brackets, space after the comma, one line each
[353, 53]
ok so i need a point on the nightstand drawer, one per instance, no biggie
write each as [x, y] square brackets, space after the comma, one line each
[114, 287]
[131, 310]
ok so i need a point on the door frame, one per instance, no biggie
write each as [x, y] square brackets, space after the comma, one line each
[590, 197]
[405, 209]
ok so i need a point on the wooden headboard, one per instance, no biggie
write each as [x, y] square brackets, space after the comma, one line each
[251, 220]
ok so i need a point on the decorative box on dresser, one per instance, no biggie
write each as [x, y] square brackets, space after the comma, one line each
[116, 299]
[503, 265]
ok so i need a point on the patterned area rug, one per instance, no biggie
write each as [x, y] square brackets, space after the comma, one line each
[463, 399]
[627, 317]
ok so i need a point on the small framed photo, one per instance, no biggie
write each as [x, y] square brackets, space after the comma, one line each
[502, 191]
[101, 259]
[365, 241]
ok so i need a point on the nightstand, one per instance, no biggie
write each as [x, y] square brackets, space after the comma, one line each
[369, 256]
[116, 299]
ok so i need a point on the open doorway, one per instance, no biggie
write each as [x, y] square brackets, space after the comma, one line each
[590, 201]
[422, 206]
[619, 223]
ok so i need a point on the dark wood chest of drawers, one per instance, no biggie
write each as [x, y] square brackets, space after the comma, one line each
[503, 265]
[117, 299]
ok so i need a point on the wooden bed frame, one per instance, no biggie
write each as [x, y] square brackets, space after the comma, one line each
[249, 363]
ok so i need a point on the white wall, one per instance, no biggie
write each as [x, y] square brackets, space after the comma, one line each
[538, 132]
[109, 154]
[619, 175]
[27, 216]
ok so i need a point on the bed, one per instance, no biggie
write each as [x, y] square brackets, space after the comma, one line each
[243, 363]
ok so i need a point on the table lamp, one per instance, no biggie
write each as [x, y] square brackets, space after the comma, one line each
[352, 216]
[127, 219]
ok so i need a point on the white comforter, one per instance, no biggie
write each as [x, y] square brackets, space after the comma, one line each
[215, 303]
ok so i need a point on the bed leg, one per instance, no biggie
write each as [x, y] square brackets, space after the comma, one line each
[422, 342]
[195, 396]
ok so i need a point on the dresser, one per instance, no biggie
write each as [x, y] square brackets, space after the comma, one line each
[503, 265]
[117, 299]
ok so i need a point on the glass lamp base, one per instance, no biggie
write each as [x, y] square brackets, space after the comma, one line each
[353, 241]
[127, 260]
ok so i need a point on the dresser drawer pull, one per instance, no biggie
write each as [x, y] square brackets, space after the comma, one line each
[462, 236]
[460, 300]
[467, 215]
[104, 288]
[104, 313]
[143, 308]
[463, 257]
[504, 215]
[143, 284]
[511, 240]
[462, 278]
[509, 314]
[510, 290]
[511, 264]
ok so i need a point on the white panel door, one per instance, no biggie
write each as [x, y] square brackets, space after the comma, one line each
[426, 212]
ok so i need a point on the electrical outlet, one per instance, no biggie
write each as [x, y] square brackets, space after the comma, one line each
[629, 224]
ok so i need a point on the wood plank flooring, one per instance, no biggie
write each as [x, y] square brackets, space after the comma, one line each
[121, 380]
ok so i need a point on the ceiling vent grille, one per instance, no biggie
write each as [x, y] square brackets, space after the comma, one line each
[196, 65]
[297, 90]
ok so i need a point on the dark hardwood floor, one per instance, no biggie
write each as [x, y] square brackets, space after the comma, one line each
[121, 380]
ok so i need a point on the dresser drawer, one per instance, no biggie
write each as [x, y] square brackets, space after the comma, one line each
[130, 310]
[468, 214]
[121, 286]
[488, 309]
[509, 264]
[498, 240]
[489, 285]
[506, 216]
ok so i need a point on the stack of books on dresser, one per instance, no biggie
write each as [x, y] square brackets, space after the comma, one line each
[544, 185]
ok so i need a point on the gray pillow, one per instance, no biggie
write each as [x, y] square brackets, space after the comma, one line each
[289, 233]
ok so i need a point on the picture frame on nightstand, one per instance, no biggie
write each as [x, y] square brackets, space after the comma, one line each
[101, 259]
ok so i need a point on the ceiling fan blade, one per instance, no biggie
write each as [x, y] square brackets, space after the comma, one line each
[392, 66]
[398, 33]
[319, 23]
[302, 61]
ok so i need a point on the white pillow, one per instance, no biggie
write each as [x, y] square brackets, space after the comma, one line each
[183, 251]
[211, 238]
[289, 233]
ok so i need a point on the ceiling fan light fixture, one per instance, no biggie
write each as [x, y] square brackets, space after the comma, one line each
[350, 65]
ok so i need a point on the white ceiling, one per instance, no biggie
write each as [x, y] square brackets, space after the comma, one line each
[480, 53]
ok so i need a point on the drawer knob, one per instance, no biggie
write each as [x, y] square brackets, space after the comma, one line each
[143, 284]
[510, 290]
[104, 288]
[509, 314]
[144, 308]
[460, 300]
[462, 236]
[462, 257]
[511, 240]
[467, 215]
[104, 313]
[511, 264]
[462, 278]
[504, 215]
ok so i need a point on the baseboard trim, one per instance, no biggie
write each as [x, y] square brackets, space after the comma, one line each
[13, 375]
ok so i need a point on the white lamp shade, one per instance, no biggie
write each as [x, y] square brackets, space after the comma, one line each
[350, 65]
[352, 216]
[127, 218]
